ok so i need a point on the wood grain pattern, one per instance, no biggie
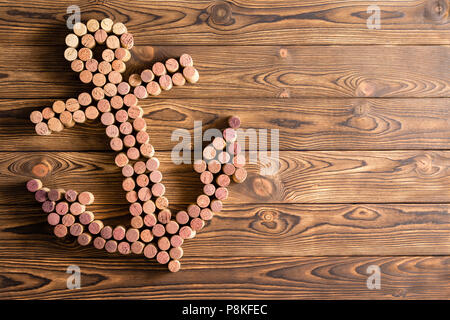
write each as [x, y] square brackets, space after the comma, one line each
[303, 124]
[312, 22]
[256, 71]
[423, 277]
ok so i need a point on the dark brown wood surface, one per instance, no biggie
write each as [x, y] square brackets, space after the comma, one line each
[364, 139]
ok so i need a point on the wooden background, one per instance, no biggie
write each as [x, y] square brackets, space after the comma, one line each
[364, 149]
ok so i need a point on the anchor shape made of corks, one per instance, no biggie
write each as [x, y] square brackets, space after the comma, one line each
[154, 230]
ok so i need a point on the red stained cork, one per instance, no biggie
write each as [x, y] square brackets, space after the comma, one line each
[76, 229]
[103, 105]
[182, 217]
[223, 180]
[129, 140]
[142, 137]
[176, 241]
[48, 206]
[135, 112]
[197, 224]
[124, 247]
[221, 193]
[156, 176]
[140, 92]
[206, 177]
[191, 74]
[99, 243]
[202, 201]
[130, 100]
[153, 88]
[121, 115]
[240, 175]
[186, 60]
[146, 235]
[164, 243]
[123, 88]
[116, 144]
[150, 251]
[77, 208]
[150, 219]
[159, 69]
[162, 202]
[152, 164]
[164, 216]
[209, 189]
[139, 167]
[131, 196]
[176, 253]
[206, 214]
[127, 171]
[133, 153]
[193, 210]
[137, 247]
[186, 232]
[92, 65]
[107, 118]
[84, 239]
[178, 79]
[174, 266]
[172, 65]
[117, 103]
[216, 205]
[100, 36]
[71, 195]
[136, 209]
[121, 160]
[147, 75]
[95, 227]
[86, 217]
[53, 219]
[119, 233]
[111, 246]
[214, 166]
[60, 231]
[68, 220]
[41, 195]
[34, 185]
[228, 169]
[144, 194]
[86, 198]
[149, 206]
[165, 82]
[55, 194]
[172, 227]
[142, 180]
[62, 208]
[137, 222]
[126, 128]
[106, 232]
[158, 230]
[162, 257]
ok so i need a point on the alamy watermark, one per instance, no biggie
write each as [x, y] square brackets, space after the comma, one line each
[74, 280]
[374, 20]
[374, 280]
[74, 16]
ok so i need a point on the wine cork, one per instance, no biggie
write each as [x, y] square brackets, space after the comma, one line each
[142, 137]
[229, 134]
[124, 247]
[84, 54]
[158, 189]
[66, 119]
[96, 226]
[111, 246]
[161, 202]
[209, 189]
[41, 194]
[162, 257]
[156, 176]
[108, 55]
[126, 128]
[130, 100]
[153, 88]
[48, 113]
[132, 235]
[239, 161]
[70, 54]
[91, 65]
[36, 117]
[209, 152]
[112, 131]
[123, 88]
[164, 216]
[147, 150]
[92, 25]
[86, 198]
[114, 77]
[119, 233]
[53, 219]
[149, 207]
[206, 177]
[234, 148]
[79, 29]
[60, 230]
[164, 243]
[142, 180]
[214, 166]
[72, 105]
[199, 166]
[77, 208]
[85, 76]
[34, 185]
[234, 122]
[221, 193]
[131, 196]
[135, 112]
[76, 229]
[68, 220]
[86, 217]
[98, 93]
[133, 153]
[172, 65]
[127, 40]
[178, 79]
[152, 164]
[165, 82]
[135, 209]
[42, 129]
[146, 235]
[240, 175]
[107, 24]
[103, 105]
[150, 251]
[137, 247]
[84, 99]
[176, 253]
[119, 66]
[104, 67]
[223, 180]
[182, 217]
[77, 65]
[140, 92]
[88, 41]
[134, 80]
[176, 241]
[139, 167]
[84, 239]
[191, 74]
[186, 232]
[99, 243]
[107, 118]
[174, 266]
[62, 208]
[137, 222]
[99, 80]
[216, 205]
[72, 40]
[122, 54]
[219, 143]
[158, 230]
[127, 171]
[119, 28]
[71, 195]
[228, 169]
[117, 103]
[121, 160]
[197, 224]
[100, 36]
[186, 60]
[223, 157]
[203, 201]
[158, 69]
[172, 227]
[128, 184]
[147, 75]
[206, 214]
[106, 232]
[54, 124]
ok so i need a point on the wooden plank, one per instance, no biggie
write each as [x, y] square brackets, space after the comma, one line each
[303, 124]
[312, 22]
[262, 230]
[108, 277]
[303, 177]
[253, 71]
